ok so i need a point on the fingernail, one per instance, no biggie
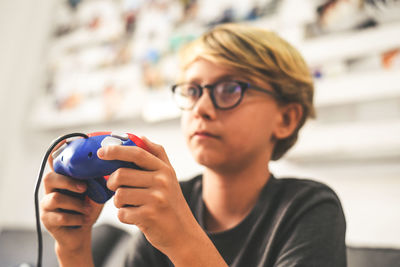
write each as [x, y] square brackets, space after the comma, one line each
[100, 152]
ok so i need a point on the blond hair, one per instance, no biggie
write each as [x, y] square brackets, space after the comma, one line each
[259, 54]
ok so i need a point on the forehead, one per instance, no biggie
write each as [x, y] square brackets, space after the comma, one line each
[206, 71]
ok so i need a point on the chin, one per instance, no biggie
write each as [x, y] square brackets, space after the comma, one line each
[208, 160]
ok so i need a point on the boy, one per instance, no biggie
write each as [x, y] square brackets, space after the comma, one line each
[245, 93]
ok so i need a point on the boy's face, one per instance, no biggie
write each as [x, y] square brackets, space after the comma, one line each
[225, 139]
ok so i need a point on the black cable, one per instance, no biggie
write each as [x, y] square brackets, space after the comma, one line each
[38, 182]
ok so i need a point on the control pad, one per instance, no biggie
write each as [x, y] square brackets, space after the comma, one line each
[78, 159]
[111, 141]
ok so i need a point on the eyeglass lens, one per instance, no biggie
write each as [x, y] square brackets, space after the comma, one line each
[223, 94]
[227, 94]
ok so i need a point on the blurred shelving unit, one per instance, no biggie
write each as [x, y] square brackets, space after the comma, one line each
[358, 98]
[359, 110]
[346, 142]
[351, 44]
[358, 87]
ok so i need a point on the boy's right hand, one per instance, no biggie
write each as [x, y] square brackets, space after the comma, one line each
[69, 219]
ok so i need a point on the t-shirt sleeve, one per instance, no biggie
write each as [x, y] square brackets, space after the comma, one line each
[317, 235]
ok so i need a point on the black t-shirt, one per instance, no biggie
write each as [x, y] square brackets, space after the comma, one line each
[294, 223]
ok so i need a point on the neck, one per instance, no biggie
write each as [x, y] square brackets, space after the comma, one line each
[230, 196]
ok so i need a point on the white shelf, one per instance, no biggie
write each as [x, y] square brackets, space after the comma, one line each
[338, 47]
[96, 111]
[348, 141]
[357, 87]
[159, 106]
[139, 105]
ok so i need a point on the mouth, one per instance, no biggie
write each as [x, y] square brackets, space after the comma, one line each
[204, 134]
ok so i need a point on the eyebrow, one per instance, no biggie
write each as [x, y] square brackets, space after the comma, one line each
[226, 77]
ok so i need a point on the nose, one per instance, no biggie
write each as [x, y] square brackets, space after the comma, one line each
[204, 106]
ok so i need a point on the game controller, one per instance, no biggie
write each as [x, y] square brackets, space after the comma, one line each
[78, 159]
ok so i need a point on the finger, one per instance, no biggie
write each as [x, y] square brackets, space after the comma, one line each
[125, 196]
[53, 181]
[156, 149]
[125, 177]
[137, 155]
[57, 201]
[131, 215]
[139, 216]
[57, 219]
[92, 204]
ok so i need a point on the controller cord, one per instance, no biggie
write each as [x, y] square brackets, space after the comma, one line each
[38, 182]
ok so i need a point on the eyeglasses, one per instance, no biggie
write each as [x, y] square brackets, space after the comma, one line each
[224, 94]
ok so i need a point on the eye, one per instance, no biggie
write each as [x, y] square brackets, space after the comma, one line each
[189, 90]
[228, 89]
[227, 94]
[90, 155]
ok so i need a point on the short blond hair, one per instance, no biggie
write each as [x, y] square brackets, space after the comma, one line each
[259, 54]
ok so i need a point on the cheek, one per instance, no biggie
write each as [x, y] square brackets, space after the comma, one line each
[185, 125]
[256, 128]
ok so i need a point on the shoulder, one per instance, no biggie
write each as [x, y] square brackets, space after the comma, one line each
[308, 213]
[309, 201]
[294, 198]
[297, 189]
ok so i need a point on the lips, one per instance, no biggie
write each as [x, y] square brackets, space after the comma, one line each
[204, 134]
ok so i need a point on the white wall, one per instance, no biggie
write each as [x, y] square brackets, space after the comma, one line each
[368, 190]
[23, 29]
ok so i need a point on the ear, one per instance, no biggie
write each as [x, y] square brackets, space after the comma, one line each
[290, 116]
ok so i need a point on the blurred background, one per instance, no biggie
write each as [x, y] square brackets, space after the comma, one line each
[92, 65]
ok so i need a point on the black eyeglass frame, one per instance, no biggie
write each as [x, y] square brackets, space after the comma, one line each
[211, 87]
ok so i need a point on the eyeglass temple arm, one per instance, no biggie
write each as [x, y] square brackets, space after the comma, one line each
[272, 93]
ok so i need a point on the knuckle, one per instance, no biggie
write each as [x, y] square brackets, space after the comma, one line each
[112, 182]
[161, 181]
[55, 198]
[118, 174]
[48, 179]
[118, 199]
[44, 217]
[111, 186]
[49, 201]
[159, 198]
[60, 218]
[44, 204]
[123, 215]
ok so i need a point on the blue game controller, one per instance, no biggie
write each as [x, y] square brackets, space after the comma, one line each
[78, 159]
